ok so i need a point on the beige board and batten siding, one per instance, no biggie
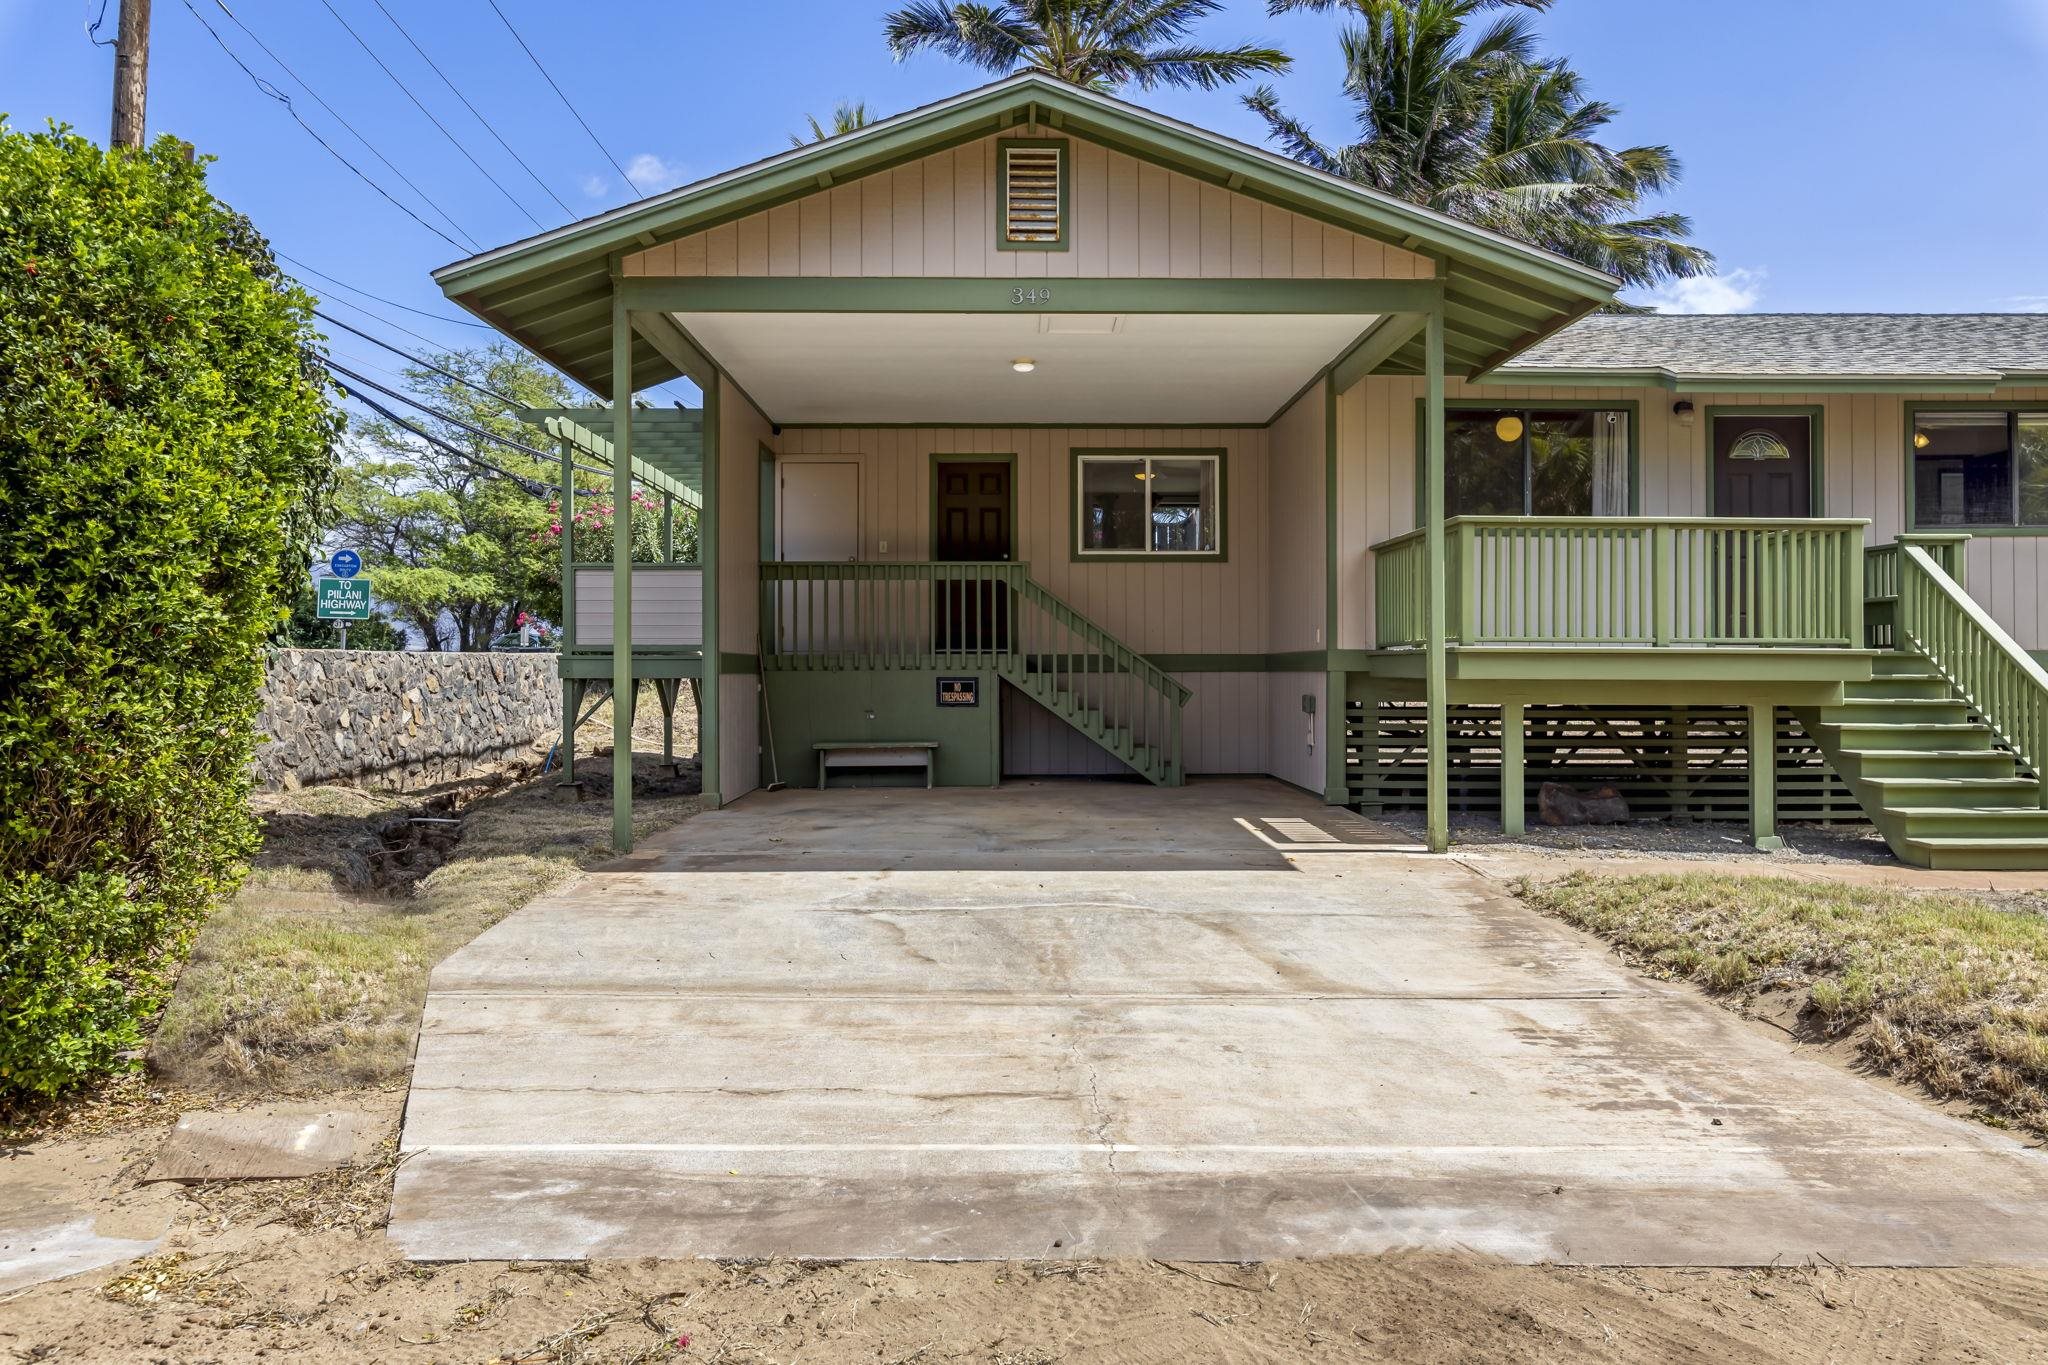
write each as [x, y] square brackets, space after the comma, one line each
[1862, 471]
[668, 605]
[936, 218]
[742, 434]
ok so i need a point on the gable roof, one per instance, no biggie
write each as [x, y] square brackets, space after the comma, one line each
[1962, 351]
[552, 292]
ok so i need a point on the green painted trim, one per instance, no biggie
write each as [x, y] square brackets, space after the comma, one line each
[2010, 407]
[931, 480]
[623, 693]
[1004, 147]
[1436, 685]
[768, 495]
[1378, 345]
[675, 345]
[1817, 421]
[1631, 406]
[1075, 454]
[1033, 426]
[1654, 378]
[1003, 294]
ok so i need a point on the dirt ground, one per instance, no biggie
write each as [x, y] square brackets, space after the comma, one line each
[264, 1270]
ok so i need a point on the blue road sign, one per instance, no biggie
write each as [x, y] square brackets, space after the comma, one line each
[345, 563]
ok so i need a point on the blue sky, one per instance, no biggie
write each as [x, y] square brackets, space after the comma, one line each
[1860, 155]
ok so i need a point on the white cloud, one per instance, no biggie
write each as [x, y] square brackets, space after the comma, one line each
[648, 171]
[1732, 291]
[2026, 303]
[653, 175]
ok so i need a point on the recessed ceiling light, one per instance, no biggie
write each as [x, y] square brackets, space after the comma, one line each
[1023, 365]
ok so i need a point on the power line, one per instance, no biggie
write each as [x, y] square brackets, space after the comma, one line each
[327, 363]
[420, 337]
[407, 90]
[488, 126]
[533, 487]
[487, 392]
[470, 427]
[563, 97]
[390, 303]
[332, 113]
[286, 100]
[92, 25]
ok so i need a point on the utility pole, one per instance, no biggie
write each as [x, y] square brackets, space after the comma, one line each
[131, 74]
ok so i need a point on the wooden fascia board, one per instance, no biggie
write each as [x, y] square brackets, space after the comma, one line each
[1376, 347]
[674, 347]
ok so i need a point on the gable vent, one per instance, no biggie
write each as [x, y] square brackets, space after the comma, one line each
[1031, 196]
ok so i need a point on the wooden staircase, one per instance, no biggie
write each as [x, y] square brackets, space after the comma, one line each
[970, 616]
[1930, 772]
[1118, 699]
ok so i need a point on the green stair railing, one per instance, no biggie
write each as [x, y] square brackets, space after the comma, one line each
[1608, 581]
[1881, 578]
[1986, 666]
[923, 616]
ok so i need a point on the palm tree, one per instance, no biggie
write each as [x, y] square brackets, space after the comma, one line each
[847, 117]
[1098, 44]
[1478, 125]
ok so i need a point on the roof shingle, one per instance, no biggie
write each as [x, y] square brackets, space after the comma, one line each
[1782, 345]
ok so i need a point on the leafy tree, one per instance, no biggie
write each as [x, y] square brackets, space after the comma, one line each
[1470, 120]
[450, 530]
[1100, 44]
[849, 116]
[165, 445]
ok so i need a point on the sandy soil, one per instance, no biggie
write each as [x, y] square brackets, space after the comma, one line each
[263, 1270]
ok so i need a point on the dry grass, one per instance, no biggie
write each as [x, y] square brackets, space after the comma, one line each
[1949, 990]
[312, 978]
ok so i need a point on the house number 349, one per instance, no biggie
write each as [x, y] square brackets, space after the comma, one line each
[1030, 298]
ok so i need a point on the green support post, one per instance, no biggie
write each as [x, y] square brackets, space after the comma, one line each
[565, 517]
[707, 555]
[1513, 784]
[1763, 776]
[1437, 681]
[668, 528]
[1336, 781]
[622, 576]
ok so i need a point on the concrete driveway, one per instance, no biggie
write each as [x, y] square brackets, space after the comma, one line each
[1093, 1019]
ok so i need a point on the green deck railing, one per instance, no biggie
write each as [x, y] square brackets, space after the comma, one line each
[846, 616]
[1629, 581]
[1986, 666]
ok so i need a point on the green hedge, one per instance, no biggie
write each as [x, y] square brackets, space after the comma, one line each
[164, 447]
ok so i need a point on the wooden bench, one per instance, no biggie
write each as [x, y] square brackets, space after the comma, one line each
[902, 753]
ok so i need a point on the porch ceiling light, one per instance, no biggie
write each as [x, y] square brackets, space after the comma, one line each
[1023, 364]
[1508, 428]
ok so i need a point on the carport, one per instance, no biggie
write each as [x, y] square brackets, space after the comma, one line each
[1215, 1022]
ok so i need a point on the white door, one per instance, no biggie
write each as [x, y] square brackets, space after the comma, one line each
[820, 512]
[819, 523]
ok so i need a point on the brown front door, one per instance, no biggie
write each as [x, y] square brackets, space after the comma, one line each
[1763, 466]
[971, 512]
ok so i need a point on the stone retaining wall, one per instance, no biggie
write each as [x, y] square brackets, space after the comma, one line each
[401, 720]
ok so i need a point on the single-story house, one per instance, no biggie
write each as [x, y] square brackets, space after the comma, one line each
[1043, 434]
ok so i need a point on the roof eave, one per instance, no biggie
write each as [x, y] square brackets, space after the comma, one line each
[1580, 376]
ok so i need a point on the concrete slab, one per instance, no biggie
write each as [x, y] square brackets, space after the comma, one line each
[257, 1145]
[1095, 1019]
[43, 1237]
